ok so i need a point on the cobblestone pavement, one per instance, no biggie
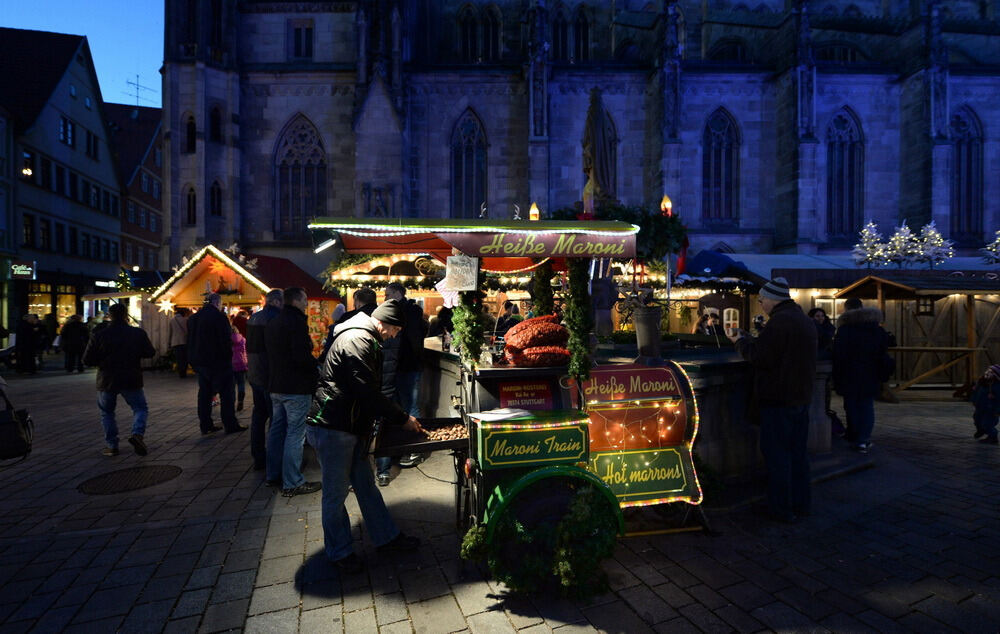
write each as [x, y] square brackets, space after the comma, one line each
[908, 545]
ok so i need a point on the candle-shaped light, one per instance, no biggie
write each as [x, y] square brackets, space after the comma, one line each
[533, 212]
[666, 206]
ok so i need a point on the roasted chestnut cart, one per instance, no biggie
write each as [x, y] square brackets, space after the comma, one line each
[534, 435]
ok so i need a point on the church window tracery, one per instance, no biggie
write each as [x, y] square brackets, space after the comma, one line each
[560, 36]
[492, 34]
[581, 36]
[468, 34]
[299, 177]
[720, 169]
[468, 167]
[730, 50]
[966, 177]
[845, 162]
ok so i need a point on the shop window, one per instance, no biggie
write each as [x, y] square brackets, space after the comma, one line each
[65, 302]
[730, 319]
[40, 299]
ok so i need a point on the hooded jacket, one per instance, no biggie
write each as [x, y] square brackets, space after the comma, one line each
[783, 356]
[349, 395]
[859, 348]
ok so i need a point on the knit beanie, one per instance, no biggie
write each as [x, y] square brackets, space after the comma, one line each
[390, 312]
[776, 289]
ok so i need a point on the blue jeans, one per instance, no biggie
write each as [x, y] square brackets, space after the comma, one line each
[106, 402]
[407, 390]
[860, 413]
[344, 460]
[286, 437]
[784, 435]
[258, 423]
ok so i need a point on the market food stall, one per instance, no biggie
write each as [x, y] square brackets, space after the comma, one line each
[547, 448]
[243, 281]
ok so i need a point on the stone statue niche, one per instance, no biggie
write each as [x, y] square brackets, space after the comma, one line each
[598, 155]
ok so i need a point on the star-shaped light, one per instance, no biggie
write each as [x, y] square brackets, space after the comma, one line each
[217, 266]
[166, 306]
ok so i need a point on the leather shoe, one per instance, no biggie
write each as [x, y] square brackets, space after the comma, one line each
[351, 564]
[383, 479]
[210, 430]
[237, 429]
[303, 489]
[400, 543]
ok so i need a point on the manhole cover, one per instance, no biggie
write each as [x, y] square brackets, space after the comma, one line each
[129, 479]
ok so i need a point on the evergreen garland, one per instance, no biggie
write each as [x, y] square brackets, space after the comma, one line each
[541, 289]
[469, 325]
[579, 318]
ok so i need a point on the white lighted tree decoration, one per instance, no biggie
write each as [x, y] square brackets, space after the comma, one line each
[903, 247]
[870, 250]
[934, 249]
[991, 252]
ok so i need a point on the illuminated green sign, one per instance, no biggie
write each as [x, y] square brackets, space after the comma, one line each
[646, 474]
[501, 448]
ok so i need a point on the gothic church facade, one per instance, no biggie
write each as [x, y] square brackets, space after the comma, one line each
[773, 125]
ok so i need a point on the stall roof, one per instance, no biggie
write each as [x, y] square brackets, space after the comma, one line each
[505, 244]
[270, 272]
[911, 284]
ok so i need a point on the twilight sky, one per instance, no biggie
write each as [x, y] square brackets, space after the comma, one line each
[125, 36]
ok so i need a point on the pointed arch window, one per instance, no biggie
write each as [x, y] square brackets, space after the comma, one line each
[215, 199]
[468, 35]
[215, 125]
[720, 169]
[581, 36]
[560, 37]
[191, 218]
[468, 167]
[492, 34]
[845, 163]
[300, 178]
[966, 177]
[190, 135]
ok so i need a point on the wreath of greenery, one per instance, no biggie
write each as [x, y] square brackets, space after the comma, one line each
[469, 325]
[541, 289]
[564, 558]
[579, 318]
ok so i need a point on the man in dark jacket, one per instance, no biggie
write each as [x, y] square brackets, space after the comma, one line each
[364, 302]
[73, 340]
[783, 357]
[259, 376]
[408, 362]
[210, 351]
[860, 349]
[348, 399]
[292, 376]
[116, 351]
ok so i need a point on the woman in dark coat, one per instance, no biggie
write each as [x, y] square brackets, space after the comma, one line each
[859, 351]
[26, 346]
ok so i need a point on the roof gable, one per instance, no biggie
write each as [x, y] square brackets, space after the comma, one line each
[31, 65]
[134, 129]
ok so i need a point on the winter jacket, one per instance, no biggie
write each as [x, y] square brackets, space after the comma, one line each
[349, 395]
[116, 351]
[825, 332]
[74, 336]
[178, 330]
[390, 364]
[239, 353]
[209, 340]
[367, 309]
[859, 350]
[291, 365]
[783, 357]
[411, 339]
[257, 370]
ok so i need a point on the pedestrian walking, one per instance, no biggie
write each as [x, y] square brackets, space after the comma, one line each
[117, 351]
[26, 346]
[986, 399]
[860, 354]
[291, 383]
[258, 374]
[73, 339]
[348, 399]
[210, 349]
[783, 356]
[177, 339]
[239, 366]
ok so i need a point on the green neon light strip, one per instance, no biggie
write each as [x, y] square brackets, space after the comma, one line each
[382, 226]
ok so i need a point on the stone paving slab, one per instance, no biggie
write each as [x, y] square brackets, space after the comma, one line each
[909, 544]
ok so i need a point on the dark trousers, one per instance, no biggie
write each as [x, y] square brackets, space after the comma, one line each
[74, 359]
[181, 357]
[212, 381]
[258, 424]
[860, 411]
[784, 435]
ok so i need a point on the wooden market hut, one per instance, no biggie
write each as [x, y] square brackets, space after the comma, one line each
[944, 321]
[243, 281]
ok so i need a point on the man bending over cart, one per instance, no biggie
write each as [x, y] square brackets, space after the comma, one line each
[347, 401]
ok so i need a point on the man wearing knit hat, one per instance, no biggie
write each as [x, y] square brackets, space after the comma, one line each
[783, 357]
[347, 401]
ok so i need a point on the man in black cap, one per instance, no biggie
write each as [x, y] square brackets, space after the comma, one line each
[347, 401]
[783, 357]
